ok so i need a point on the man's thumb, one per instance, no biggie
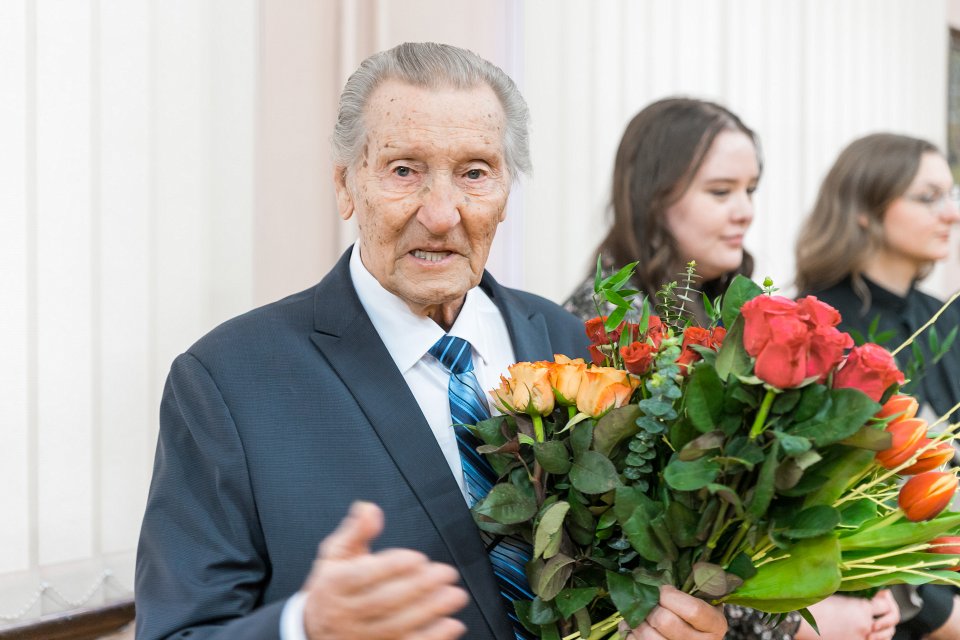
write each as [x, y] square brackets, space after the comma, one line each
[353, 535]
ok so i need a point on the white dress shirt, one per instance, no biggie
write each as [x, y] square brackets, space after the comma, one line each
[408, 337]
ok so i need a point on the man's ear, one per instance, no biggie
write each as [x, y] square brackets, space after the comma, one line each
[344, 197]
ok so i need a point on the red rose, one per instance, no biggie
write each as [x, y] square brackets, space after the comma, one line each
[638, 357]
[783, 360]
[717, 334]
[597, 356]
[757, 314]
[827, 345]
[692, 335]
[655, 330]
[598, 334]
[820, 313]
[869, 368]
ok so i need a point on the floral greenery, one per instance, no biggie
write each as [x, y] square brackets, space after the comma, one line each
[673, 459]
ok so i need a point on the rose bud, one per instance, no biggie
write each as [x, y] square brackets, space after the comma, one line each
[949, 545]
[902, 407]
[924, 496]
[869, 368]
[906, 437]
[638, 357]
[930, 459]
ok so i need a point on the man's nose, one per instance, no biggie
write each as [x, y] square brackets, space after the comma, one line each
[439, 209]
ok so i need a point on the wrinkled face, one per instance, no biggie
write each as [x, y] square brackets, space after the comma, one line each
[916, 226]
[429, 191]
[711, 218]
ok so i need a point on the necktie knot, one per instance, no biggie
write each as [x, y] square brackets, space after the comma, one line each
[454, 354]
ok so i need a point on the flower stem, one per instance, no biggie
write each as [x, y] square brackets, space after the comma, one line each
[761, 418]
[571, 412]
[538, 427]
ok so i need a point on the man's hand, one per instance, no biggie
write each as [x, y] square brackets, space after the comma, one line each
[849, 618]
[680, 616]
[886, 615]
[396, 593]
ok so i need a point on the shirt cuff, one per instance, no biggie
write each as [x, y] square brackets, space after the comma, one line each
[291, 619]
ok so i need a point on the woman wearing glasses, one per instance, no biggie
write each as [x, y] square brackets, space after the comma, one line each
[881, 220]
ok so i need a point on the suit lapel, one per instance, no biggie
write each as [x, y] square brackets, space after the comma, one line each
[346, 337]
[528, 329]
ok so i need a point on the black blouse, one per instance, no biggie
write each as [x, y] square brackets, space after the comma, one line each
[935, 384]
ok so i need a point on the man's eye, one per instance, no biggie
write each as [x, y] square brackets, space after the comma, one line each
[474, 174]
[403, 172]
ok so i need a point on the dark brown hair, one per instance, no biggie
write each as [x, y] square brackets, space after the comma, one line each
[660, 153]
[846, 224]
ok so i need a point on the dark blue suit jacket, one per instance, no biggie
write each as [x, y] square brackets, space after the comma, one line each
[270, 426]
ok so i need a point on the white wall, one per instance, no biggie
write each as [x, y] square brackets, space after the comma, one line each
[126, 208]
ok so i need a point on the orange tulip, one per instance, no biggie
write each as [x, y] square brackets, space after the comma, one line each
[604, 388]
[949, 545]
[907, 437]
[930, 459]
[565, 377]
[527, 390]
[926, 495]
[902, 406]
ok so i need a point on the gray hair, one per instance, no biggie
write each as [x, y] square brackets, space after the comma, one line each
[429, 65]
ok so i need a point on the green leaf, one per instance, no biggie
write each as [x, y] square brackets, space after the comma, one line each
[763, 492]
[812, 522]
[569, 601]
[792, 445]
[593, 473]
[869, 436]
[581, 525]
[581, 438]
[812, 401]
[786, 401]
[713, 581]
[522, 609]
[692, 475]
[552, 456]
[583, 622]
[704, 398]
[614, 319]
[614, 427]
[542, 612]
[507, 504]
[849, 410]
[549, 531]
[840, 470]
[634, 600]
[746, 451]
[656, 407]
[548, 579]
[742, 566]
[662, 532]
[809, 573]
[807, 615]
[741, 289]
[857, 512]
[698, 447]
[900, 534]
[549, 632]
[732, 359]
[682, 524]
[620, 278]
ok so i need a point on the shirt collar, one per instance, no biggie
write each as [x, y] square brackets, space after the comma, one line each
[409, 336]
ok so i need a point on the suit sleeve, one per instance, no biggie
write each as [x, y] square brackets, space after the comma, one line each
[201, 563]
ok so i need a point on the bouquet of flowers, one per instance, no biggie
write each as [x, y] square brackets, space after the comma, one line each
[760, 465]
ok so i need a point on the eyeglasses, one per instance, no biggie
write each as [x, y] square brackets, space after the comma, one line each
[937, 201]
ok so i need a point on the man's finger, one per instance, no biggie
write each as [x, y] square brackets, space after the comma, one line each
[353, 535]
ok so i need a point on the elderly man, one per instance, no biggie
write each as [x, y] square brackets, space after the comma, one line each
[337, 400]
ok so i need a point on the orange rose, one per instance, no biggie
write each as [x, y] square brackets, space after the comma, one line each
[527, 390]
[906, 437]
[638, 357]
[924, 496]
[604, 388]
[565, 377]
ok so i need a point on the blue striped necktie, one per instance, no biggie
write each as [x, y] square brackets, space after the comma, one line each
[508, 554]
